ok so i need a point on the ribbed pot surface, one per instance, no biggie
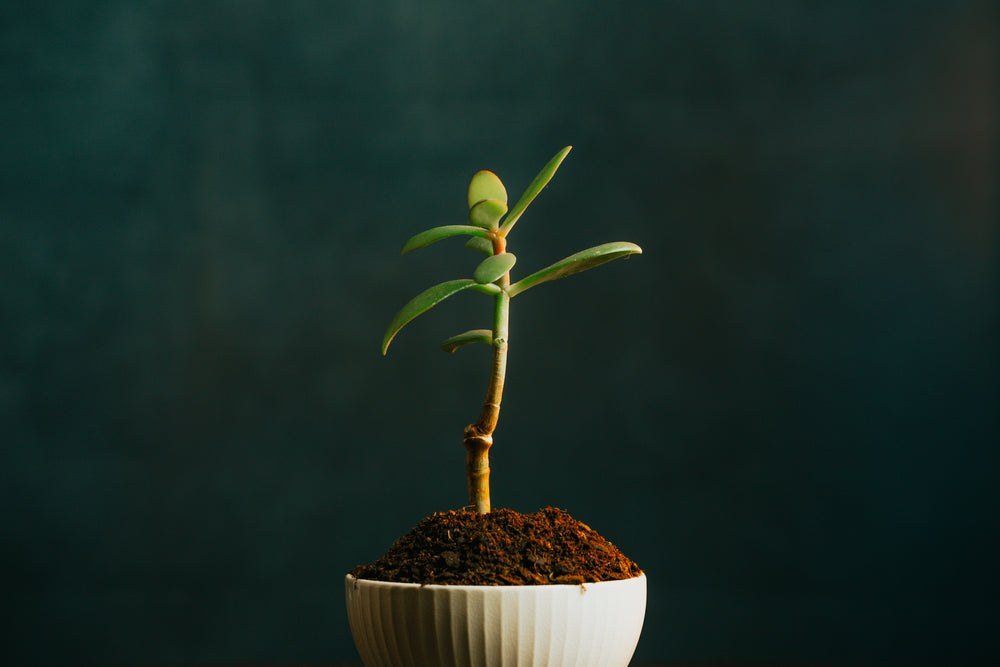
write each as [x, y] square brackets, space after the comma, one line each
[409, 625]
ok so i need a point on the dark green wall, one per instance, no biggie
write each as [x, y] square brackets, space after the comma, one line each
[785, 411]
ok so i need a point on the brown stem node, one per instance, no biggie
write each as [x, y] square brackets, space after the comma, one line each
[477, 467]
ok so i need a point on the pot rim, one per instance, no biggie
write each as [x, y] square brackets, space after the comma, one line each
[503, 587]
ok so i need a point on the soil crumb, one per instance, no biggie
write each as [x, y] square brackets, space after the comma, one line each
[501, 548]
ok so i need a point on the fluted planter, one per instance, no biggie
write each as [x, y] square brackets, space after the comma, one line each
[413, 625]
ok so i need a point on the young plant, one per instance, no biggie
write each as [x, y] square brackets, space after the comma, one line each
[489, 231]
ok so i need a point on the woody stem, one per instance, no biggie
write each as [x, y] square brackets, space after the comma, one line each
[479, 436]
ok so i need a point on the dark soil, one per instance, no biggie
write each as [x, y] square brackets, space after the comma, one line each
[502, 547]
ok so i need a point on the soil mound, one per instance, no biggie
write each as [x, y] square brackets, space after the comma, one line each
[501, 548]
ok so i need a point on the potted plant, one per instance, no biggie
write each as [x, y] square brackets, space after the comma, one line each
[479, 587]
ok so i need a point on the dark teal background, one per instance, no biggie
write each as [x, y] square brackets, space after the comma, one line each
[785, 410]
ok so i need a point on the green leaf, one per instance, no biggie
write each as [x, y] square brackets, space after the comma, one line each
[581, 261]
[491, 289]
[479, 245]
[474, 336]
[430, 236]
[487, 213]
[422, 303]
[486, 185]
[544, 176]
[493, 267]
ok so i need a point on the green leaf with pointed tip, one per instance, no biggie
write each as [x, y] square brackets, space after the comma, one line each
[474, 336]
[493, 267]
[435, 234]
[487, 213]
[581, 261]
[543, 178]
[479, 245]
[422, 303]
[486, 185]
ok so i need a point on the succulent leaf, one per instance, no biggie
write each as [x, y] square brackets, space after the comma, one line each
[493, 267]
[486, 185]
[427, 237]
[541, 180]
[479, 245]
[473, 336]
[581, 261]
[487, 213]
[423, 302]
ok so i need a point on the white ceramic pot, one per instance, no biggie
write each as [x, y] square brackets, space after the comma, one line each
[409, 625]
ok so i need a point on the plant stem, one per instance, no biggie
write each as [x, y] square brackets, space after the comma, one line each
[479, 436]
